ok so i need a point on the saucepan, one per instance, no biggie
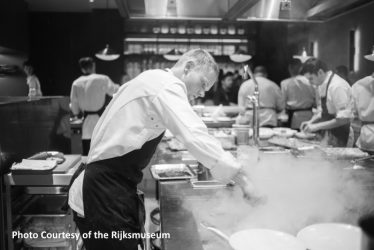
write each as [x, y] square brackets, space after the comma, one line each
[259, 239]
[331, 236]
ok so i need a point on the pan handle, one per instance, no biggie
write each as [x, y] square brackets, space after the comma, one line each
[216, 231]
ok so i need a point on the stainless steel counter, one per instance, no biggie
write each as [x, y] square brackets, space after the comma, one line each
[178, 220]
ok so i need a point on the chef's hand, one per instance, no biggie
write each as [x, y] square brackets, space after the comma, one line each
[250, 193]
[304, 125]
[310, 128]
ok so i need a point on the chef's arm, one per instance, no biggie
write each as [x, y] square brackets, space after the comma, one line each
[74, 106]
[315, 118]
[178, 116]
[330, 124]
[112, 88]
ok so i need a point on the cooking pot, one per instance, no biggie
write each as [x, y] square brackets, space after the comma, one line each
[331, 236]
[367, 225]
[260, 239]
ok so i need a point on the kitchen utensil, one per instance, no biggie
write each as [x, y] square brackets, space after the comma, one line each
[171, 172]
[331, 236]
[259, 239]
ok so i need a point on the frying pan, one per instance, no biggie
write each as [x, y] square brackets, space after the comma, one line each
[259, 239]
[331, 236]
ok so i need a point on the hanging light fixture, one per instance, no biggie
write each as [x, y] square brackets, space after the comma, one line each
[107, 54]
[173, 55]
[303, 57]
[370, 57]
[240, 56]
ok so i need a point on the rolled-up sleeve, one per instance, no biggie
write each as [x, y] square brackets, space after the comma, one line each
[112, 88]
[178, 116]
[74, 105]
[342, 100]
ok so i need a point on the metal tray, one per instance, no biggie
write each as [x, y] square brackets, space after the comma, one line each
[211, 184]
[172, 172]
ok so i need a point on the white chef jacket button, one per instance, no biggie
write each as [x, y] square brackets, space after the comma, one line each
[156, 126]
[152, 118]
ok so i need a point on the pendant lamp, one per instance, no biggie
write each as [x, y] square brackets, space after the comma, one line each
[173, 55]
[107, 54]
[303, 57]
[370, 57]
[240, 57]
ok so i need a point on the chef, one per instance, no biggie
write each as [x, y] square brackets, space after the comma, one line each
[336, 103]
[271, 100]
[363, 96]
[103, 195]
[299, 96]
[89, 94]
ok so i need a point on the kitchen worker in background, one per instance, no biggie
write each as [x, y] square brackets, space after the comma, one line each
[89, 95]
[363, 95]
[271, 100]
[336, 103]
[299, 96]
[223, 93]
[342, 71]
[32, 80]
[103, 195]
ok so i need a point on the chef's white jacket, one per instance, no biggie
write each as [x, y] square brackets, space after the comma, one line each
[298, 93]
[271, 100]
[339, 96]
[140, 111]
[88, 94]
[363, 95]
[34, 85]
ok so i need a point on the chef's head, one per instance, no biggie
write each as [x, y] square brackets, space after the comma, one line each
[87, 65]
[315, 70]
[28, 68]
[198, 70]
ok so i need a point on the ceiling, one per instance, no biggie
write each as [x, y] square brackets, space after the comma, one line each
[245, 10]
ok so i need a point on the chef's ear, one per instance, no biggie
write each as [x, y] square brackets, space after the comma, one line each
[320, 72]
[188, 66]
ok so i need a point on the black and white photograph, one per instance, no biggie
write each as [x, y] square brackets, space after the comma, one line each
[186, 125]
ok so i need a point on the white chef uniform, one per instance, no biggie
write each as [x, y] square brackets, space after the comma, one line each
[363, 95]
[271, 100]
[140, 111]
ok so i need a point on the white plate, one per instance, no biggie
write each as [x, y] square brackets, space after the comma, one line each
[331, 236]
[303, 135]
[284, 132]
[265, 133]
[265, 239]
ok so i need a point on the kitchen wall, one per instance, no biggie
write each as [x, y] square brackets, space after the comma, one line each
[333, 39]
[13, 46]
[58, 40]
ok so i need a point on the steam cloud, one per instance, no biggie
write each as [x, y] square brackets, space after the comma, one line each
[299, 192]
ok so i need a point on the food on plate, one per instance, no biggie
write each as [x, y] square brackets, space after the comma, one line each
[265, 133]
[344, 153]
[284, 132]
[305, 135]
[174, 173]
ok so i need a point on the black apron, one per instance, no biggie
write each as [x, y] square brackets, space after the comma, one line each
[338, 137]
[99, 112]
[110, 197]
[291, 112]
